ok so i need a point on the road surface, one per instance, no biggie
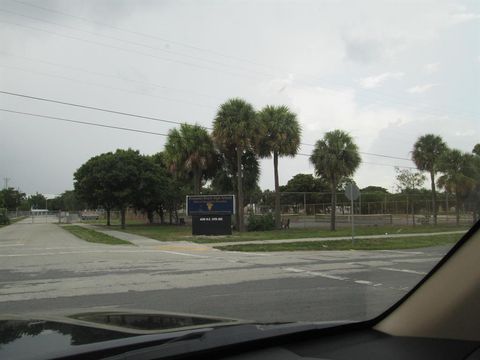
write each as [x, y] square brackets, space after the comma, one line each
[43, 269]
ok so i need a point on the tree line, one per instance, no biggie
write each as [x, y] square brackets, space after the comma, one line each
[226, 160]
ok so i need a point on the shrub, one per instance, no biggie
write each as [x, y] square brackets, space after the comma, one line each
[4, 220]
[260, 222]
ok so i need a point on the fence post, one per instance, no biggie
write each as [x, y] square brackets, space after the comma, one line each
[305, 203]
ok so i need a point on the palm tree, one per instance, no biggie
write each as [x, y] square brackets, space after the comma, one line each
[426, 154]
[335, 158]
[190, 153]
[236, 126]
[282, 138]
[457, 176]
[476, 149]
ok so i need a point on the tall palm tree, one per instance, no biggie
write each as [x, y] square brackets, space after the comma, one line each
[236, 125]
[457, 176]
[282, 138]
[190, 153]
[335, 157]
[426, 154]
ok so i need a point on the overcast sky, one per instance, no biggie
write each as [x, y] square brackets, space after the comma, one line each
[384, 71]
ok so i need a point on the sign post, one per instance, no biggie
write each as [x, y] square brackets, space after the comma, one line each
[211, 214]
[352, 192]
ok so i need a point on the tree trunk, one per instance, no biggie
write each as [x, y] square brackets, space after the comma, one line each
[240, 190]
[457, 207]
[334, 207]
[161, 214]
[150, 217]
[278, 219]
[196, 181]
[122, 214]
[170, 214]
[413, 212]
[237, 217]
[434, 197]
[108, 217]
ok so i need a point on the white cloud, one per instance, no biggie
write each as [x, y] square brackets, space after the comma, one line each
[463, 17]
[376, 81]
[420, 89]
[432, 68]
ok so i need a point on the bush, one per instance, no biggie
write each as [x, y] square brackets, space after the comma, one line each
[4, 220]
[260, 222]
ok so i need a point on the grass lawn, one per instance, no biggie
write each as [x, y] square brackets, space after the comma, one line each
[94, 236]
[184, 233]
[361, 244]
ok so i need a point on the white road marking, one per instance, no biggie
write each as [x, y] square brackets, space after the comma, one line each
[316, 273]
[404, 252]
[101, 252]
[184, 254]
[364, 282]
[404, 270]
[12, 245]
[431, 259]
[246, 253]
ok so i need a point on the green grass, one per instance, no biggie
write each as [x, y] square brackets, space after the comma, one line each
[94, 236]
[361, 244]
[158, 232]
[313, 233]
[184, 233]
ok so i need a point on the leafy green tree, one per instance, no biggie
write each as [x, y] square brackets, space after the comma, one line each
[37, 201]
[92, 182]
[373, 199]
[335, 157]
[426, 154]
[458, 176]
[152, 191]
[236, 126]
[408, 181]
[11, 198]
[474, 199]
[281, 138]
[190, 152]
[110, 180]
[125, 179]
[314, 189]
[226, 182]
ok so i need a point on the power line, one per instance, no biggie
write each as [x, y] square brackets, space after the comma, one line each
[133, 130]
[82, 122]
[89, 83]
[123, 49]
[403, 103]
[142, 34]
[91, 108]
[367, 153]
[148, 117]
[96, 73]
[129, 42]
[374, 163]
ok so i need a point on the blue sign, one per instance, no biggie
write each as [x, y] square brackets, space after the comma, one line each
[210, 204]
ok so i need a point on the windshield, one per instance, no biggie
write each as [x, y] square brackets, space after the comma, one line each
[266, 161]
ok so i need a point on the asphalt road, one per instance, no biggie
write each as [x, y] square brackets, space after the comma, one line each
[44, 269]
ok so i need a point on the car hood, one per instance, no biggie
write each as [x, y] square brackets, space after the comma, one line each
[28, 336]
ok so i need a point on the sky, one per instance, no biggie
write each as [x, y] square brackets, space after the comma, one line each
[384, 71]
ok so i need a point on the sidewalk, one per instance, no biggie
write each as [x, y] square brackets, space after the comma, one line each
[143, 241]
[389, 236]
